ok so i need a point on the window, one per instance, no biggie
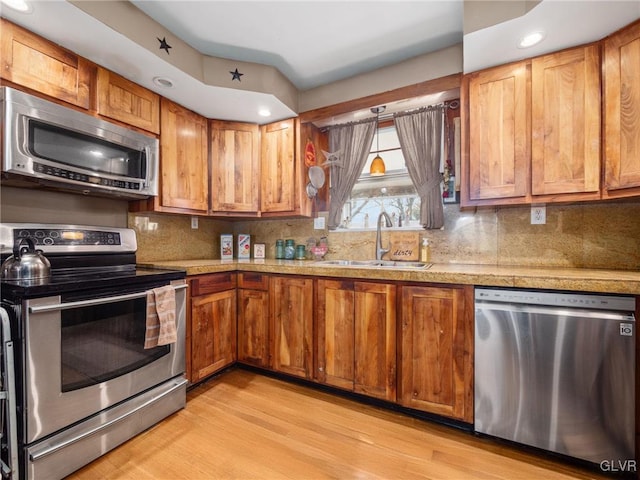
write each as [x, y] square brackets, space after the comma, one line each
[393, 192]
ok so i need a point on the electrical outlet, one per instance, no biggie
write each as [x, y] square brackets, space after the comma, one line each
[194, 223]
[538, 214]
[318, 223]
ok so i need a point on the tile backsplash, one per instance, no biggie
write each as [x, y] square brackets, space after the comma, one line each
[594, 235]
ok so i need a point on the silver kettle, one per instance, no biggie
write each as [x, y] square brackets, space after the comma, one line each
[26, 263]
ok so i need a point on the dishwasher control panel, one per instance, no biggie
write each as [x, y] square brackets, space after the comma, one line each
[618, 303]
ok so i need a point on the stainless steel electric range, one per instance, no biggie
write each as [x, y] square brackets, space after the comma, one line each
[76, 378]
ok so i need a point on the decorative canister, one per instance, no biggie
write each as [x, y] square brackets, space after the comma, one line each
[289, 249]
[301, 253]
[279, 249]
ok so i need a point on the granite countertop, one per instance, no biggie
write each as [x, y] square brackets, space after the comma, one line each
[556, 278]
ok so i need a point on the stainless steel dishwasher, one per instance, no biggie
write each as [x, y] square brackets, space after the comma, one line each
[557, 371]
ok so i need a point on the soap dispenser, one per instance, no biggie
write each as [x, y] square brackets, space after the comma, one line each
[425, 251]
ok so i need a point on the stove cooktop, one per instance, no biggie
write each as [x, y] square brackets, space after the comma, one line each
[63, 283]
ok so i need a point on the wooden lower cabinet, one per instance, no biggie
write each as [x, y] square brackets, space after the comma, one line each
[291, 310]
[212, 333]
[335, 331]
[253, 319]
[436, 350]
[356, 336]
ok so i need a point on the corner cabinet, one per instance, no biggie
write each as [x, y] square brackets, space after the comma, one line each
[622, 112]
[291, 310]
[33, 62]
[277, 161]
[533, 130]
[282, 170]
[184, 164]
[235, 168]
[211, 336]
[356, 336]
[436, 350]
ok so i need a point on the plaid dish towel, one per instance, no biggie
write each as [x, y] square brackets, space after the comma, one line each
[161, 317]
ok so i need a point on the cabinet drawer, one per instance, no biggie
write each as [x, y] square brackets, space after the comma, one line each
[216, 282]
[253, 281]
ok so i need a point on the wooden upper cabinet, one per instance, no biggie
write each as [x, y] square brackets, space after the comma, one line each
[437, 349]
[622, 112]
[534, 130]
[235, 167]
[278, 162]
[499, 132]
[183, 160]
[565, 144]
[33, 62]
[123, 100]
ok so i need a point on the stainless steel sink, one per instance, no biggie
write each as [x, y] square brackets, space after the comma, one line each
[344, 263]
[373, 263]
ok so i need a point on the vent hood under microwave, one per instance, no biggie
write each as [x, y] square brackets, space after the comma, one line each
[59, 147]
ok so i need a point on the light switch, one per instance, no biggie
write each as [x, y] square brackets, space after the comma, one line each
[318, 223]
[194, 223]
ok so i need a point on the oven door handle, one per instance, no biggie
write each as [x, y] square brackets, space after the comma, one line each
[95, 301]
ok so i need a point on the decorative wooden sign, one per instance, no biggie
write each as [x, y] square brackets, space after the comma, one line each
[404, 246]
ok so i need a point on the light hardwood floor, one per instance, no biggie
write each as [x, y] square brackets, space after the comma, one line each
[242, 425]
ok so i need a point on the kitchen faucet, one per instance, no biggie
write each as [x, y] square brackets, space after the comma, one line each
[379, 250]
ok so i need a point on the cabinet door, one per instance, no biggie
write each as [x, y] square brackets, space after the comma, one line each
[375, 340]
[278, 166]
[123, 100]
[336, 328]
[213, 333]
[436, 349]
[291, 301]
[622, 112]
[183, 159]
[499, 132]
[235, 167]
[253, 327]
[36, 63]
[565, 144]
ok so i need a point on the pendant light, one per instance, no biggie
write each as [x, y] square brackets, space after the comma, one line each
[377, 168]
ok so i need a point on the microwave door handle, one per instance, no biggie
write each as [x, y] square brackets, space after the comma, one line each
[93, 302]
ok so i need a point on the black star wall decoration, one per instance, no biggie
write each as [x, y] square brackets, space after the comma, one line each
[164, 45]
[235, 75]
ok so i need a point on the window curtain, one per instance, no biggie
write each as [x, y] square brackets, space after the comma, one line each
[420, 135]
[352, 144]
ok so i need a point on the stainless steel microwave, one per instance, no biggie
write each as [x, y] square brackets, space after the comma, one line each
[61, 147]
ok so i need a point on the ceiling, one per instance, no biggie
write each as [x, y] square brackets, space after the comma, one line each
[313, 43]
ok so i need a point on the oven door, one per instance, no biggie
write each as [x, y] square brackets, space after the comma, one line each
[82, 356]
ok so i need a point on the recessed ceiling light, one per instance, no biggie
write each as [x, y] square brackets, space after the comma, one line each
[164, 82]
[18, 5]
[531, 39]
[264, 112]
